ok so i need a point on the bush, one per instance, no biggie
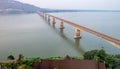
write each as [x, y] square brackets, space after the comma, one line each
[24, 67]
[98, 55]
[111, 61]
[10, 57]
[11, 65]
[29, 61]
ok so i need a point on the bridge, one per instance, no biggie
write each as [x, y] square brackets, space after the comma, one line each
[115, 42]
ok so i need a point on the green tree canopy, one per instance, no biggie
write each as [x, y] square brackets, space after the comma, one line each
[10, 57]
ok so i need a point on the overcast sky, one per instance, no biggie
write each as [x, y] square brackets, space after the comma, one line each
[76, 4]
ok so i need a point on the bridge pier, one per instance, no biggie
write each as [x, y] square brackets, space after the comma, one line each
[48, 19]
[61, 25]
[45, 17]
[77, 34]
[53, 20]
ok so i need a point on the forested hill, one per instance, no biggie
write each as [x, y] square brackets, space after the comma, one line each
[12, 6]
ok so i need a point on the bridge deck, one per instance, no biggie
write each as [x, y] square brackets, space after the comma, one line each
[111, 40]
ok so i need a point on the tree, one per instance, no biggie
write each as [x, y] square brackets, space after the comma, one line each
[10, 57]
[20, 59]
[98, 55]
[111, 61]
[90, 54]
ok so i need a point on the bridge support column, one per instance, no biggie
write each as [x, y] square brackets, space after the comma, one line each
[61, 25]
[48, 19]
[45, 17]
[77, 34]
[53, 20]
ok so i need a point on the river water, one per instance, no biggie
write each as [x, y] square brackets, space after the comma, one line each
[32, 36]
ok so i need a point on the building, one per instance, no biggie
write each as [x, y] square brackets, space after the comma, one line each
[68, 64]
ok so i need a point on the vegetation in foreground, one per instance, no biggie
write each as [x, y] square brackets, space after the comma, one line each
[111, 61]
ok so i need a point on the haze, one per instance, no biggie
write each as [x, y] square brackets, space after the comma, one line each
[76, 4]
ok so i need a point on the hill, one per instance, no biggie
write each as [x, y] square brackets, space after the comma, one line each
[12, 6]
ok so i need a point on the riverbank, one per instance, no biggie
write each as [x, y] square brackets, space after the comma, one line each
[110, 61]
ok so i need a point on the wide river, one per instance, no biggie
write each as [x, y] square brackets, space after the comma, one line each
[32, 36]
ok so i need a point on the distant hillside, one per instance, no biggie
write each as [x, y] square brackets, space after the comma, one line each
[12, 6]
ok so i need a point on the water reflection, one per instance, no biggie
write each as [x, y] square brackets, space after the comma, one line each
[76, 45]
[77, 42]
[53, 26]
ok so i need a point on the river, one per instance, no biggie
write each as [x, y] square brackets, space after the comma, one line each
[32, 36]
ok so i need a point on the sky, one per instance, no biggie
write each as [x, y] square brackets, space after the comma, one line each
[76, 4]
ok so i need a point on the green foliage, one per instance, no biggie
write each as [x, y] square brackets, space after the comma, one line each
[101, 56]
[11, 65]
[24, 67]
[55, 58]
[26, 63]
[77, 58]
[117, 56]
[90, 54]
[111, 61]
[98, 55]
[10, 57]
[29, 61]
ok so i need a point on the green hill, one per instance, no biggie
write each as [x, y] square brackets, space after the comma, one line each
[12, 6]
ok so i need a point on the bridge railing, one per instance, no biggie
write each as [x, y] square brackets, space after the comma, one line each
[78, 28]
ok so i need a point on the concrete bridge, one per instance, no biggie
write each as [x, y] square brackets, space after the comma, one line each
[115, 42]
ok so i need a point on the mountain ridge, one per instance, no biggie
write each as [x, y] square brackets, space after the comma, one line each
[15, 7]
[12, 6]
